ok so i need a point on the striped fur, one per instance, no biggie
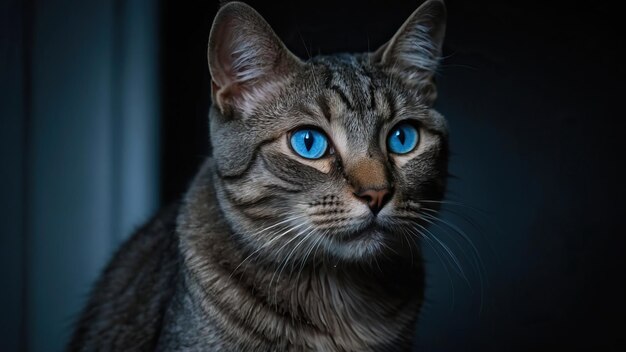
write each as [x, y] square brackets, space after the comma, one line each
[275, 252]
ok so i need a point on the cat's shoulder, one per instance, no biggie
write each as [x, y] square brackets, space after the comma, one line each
[128, 302]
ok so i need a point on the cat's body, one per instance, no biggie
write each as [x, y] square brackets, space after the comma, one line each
[319, 307]
[276, 249]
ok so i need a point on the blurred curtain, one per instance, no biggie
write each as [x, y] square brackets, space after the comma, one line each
[79, 146]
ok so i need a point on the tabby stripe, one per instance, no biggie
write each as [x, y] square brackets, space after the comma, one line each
[237, 324]
[321, 100]
[255, 153]
[303, 108]
[282, 189]
[228, 313]
[372, 88]
[343, 96]
[391, 102]
[253, 213]
[229, 177]
[372, 97]
[247, 203]
[280, 177]
[336, 88]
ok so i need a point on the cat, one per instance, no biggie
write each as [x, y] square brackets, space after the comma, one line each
[301, 231]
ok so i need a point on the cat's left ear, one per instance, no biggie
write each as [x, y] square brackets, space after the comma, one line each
[415, 50]
[247, 60]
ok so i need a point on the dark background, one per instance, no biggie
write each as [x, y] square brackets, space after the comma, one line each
[533, 95]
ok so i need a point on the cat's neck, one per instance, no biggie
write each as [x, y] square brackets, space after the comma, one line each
[330, 306]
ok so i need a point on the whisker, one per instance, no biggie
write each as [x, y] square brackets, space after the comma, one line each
[268, 243]
[419, 234]
[449, 202]
[315, 253]
[286, 261]
[458, 245]
[303, 262]
[281, 248]
[452, 237]
[475, 225]
[480, 263]
[460, 232]
[408, 241]
[453, 256]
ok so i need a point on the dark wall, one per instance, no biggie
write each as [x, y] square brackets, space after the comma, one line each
[532, 96]
[79, 154]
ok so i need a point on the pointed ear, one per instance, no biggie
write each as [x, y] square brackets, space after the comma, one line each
[415, 50]
[247, 61]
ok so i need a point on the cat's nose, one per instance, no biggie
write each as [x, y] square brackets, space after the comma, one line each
[375, 198]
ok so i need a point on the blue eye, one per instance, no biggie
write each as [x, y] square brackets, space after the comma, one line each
[403, 138]
[309, 143]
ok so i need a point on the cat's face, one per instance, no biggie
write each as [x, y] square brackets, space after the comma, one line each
[333, 157]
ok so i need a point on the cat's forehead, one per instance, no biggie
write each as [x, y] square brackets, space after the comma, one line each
[351, 91]
[361, 86]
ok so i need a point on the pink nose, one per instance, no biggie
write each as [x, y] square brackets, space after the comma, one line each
[375, 198]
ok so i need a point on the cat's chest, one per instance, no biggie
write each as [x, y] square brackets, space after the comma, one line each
[345, 314]
[307, 311]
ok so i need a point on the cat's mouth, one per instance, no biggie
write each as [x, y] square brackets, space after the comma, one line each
[372, 229]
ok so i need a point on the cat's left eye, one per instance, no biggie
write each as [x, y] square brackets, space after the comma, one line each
[403, 138]
[309, 143]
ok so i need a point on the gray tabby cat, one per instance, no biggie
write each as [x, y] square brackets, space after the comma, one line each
[300, 233]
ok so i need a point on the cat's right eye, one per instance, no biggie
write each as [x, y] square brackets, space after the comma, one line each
[309, 143]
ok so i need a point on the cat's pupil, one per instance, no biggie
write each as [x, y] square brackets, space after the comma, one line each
[308, 140]
[401, 136]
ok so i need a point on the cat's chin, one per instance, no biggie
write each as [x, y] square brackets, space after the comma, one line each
[369, 226]
[370, 230]
[363, 241]
[376, 237]
[360, 246]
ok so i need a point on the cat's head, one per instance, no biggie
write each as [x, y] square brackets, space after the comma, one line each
[335, 156]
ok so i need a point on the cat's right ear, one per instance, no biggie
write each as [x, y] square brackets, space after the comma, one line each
[247, 61]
